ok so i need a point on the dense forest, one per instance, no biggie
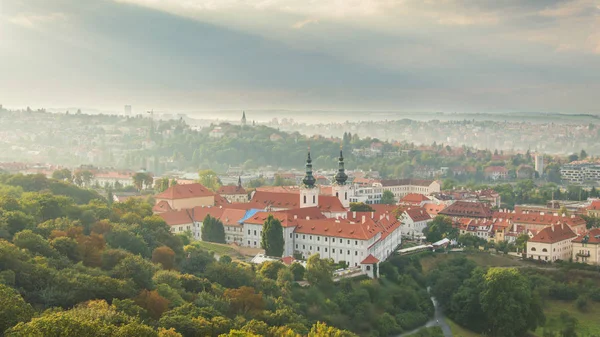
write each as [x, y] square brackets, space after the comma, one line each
[73, 264]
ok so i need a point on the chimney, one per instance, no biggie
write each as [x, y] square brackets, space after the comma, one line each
[363, 219]
[372, 215]
[354, 214]
[562, 225]
[387, 217]
[295, 216]
[307, 217]
[553, 227]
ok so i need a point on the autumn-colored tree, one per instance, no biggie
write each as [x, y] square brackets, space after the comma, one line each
[155, 304]
[165, 256]
[244, 300]
[162, 332]
[90, 249]
[322, 330]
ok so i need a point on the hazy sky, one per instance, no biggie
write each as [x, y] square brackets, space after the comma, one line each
[444, 55]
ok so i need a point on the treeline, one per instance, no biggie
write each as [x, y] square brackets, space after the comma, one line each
[507, 301]
[74, 268]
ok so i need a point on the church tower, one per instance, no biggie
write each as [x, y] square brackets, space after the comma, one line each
[309, 193]
[340, 189]
[244, 118]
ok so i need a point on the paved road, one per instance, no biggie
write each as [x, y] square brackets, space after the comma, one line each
[438, 320]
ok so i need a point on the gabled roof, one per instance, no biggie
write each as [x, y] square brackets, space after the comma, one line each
[592, 236]
[329, 203]
[468, 209]
[417, 214]
[370, 260]
[554, 234]
[221, 201]
[434, 209]
[231, 217]
[161, 207]
[260, 217]
[200, 212]
[414, 198]
[231, 190]
[540, 218]
[262, 199]
[174, 218]
[288, 260]
[339, 228]
[185, 191]
[595, 205]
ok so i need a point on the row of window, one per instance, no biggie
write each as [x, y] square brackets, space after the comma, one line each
[341, 251]
[310, 237]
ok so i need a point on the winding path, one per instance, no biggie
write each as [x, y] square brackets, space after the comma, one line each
[439, 319]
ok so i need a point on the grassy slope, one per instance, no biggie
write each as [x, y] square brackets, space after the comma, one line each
[458, 331]
[589, 322]
[220, 249]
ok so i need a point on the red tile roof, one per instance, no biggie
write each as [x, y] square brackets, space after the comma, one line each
[230, 217]
[433, 209]
[200, 212]
[554, 234]
[341, 228]
[467, 209]
[370, 260]
[231, 190]
[221, 201]
[161, 207]
[185, 191]
[417, 214]
[330, 203]
[264, 199]
[288, 260]
[414, 198]
[595, 205]
[303, 213]
[593, 236]
[181, 217]
[260, 217]
[540, 218]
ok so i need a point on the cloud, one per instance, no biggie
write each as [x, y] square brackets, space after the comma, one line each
[34, 21]
[301, 24]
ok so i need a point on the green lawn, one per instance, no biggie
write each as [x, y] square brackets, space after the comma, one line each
[218, 248]
[589, 321]
[458, 331]
[481, 259]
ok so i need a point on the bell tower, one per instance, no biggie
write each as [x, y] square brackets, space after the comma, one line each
[309, 193]
[340, 189]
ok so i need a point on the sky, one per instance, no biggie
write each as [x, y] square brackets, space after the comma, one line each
[401, 55]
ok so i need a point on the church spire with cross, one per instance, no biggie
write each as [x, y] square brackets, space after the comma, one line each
[341, 176]
[309, 181]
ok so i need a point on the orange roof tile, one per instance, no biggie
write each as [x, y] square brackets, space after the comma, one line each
[370, 260]
[162, 206]
[185, 191]
[414, 198]
[593, 236]
[553, 234]
[173, 218]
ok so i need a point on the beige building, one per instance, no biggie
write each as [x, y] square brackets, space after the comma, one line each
[552, 243]
[233, 193]
[586, 247]
[187, 196]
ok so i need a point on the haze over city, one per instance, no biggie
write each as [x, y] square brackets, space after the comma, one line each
[300, 168]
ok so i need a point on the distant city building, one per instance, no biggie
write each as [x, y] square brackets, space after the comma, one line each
[244, 118]
[127, 110]
[578, 173]
[539, 164]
